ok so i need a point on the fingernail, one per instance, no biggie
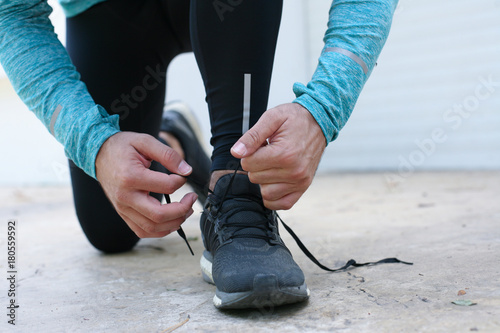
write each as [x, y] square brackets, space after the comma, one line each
[239, 148]
[184, 168]
[195, 197]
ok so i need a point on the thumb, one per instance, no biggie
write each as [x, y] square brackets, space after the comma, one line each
[256, 136]
[155, 150]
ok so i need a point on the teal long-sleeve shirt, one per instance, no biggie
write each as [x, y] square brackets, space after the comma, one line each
[357, 31]
[43, 76]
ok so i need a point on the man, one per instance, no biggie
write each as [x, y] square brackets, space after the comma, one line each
[121, 49]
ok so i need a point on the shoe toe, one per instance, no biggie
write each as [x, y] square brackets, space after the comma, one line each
[236, 270]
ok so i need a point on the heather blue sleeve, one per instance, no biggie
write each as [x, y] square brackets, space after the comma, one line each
[43, 76]
[357, 31]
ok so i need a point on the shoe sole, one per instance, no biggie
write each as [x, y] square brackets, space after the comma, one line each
[188, 114]
[266, 292]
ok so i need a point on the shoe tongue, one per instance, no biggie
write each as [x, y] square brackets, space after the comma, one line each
[240, 187]
[245, 198]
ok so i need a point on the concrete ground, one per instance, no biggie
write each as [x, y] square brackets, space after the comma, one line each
[447, 224]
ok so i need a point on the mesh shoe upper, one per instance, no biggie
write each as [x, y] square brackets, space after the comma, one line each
[242, 236]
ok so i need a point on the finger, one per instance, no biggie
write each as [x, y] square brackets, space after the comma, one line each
[152, 209]
[262, 159]
[155, 181]
[271, 176]
[278, 154]
[137, 223]
[155, 150]
[256, 136]
[279, 167]
[273, 192]
[284, 203]
[145, 228]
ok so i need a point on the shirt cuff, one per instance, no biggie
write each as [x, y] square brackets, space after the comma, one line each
[86, 135]
[317, 111]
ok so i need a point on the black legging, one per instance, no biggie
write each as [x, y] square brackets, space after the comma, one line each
[122, 49]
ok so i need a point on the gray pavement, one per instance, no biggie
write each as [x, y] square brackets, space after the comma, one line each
[448, 224]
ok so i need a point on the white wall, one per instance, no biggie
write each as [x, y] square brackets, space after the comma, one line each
[29, 154]
[291, 65]
[436, 56]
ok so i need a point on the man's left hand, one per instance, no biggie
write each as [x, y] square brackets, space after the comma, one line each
[281, 152]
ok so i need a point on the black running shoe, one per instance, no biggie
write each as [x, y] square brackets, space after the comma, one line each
[179, 121]
[245, 257]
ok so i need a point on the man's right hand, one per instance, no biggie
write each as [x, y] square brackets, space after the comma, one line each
[122, 168]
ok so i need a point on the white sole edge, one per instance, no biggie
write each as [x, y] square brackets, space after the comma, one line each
[206, 268]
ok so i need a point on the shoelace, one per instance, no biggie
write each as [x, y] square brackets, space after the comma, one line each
[180, 231]
[240, 226]
[349, 263]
